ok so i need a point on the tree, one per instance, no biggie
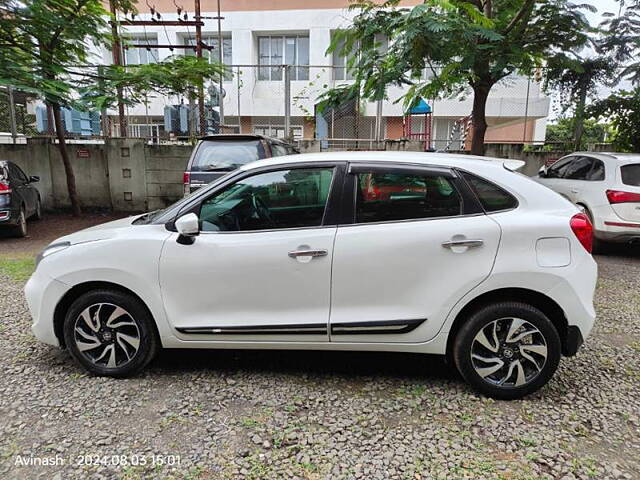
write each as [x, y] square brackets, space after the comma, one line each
[563, 130]
[623, 39]
[43, 43]
[45, 47]
[575, 79]
[622, 110]
[462, 44]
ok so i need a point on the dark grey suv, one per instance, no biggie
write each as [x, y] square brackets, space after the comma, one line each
[19, 198]
[216, 155]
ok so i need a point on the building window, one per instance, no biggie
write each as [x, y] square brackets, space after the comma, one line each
[213, 55]
[140, 55]
[278, 50]
[340, 70]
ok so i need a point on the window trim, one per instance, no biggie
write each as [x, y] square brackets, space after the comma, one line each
[296, 66]
[470, 205]
[331, 212]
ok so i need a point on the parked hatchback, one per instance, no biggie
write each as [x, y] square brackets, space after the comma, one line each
[216, 155]
[606, 186]
[19, 198]
[459, 257]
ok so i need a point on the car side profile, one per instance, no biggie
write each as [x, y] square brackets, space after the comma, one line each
[19, 198]
[606, 187]
[380, 251]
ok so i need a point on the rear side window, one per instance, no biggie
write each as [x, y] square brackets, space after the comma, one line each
[597, 173]
[578, 169]
[213, 155]
[491, 197]
[631, 174]
[383, 197]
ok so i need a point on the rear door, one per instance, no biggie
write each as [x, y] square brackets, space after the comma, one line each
[416, 243]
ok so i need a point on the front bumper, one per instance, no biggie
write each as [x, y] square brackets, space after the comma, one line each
[43, 294]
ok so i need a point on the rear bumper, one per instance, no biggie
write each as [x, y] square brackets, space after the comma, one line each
[611, 228]
[8, 216]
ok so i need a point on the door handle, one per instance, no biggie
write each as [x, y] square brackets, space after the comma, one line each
[308, 253]
[574, 191]
[463, 243]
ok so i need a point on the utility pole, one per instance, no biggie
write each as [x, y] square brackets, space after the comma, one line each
[198, 18]
[116, 52]
[220, 58]
[287, 100]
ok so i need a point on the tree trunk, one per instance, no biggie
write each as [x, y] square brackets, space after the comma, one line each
[68, 168]
[480, 95]
[579, 119]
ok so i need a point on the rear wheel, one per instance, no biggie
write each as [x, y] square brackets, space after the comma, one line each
[507, 350]
[37, 215]
[597, 246]
[110, 333]
[20, 230]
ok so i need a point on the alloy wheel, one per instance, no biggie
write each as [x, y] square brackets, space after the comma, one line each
[106, 335]
[508, 352]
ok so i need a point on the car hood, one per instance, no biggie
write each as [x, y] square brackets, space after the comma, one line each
[98, 232]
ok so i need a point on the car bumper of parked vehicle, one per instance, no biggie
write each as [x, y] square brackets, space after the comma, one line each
[5, 216]
[43, 294]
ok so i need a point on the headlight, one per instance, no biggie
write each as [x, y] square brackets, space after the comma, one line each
[51, 249]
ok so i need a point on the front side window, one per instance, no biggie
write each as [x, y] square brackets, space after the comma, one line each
[277, 50]
[578, 169]
[283, 199]
[383, 197]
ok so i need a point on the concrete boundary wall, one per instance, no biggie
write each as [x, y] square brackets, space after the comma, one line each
[130, 175]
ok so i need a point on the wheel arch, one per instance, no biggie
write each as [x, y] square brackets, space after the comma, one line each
[542, 302]
[70, 296]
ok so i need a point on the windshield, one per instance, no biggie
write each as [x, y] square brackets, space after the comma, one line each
[216, 155]
[174, 208]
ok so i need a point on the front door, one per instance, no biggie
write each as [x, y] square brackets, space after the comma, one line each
[260, 270]
[411, 253]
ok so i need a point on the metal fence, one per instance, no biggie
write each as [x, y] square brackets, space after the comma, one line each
[282, 101]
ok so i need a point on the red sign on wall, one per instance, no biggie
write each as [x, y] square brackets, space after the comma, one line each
[83, 153]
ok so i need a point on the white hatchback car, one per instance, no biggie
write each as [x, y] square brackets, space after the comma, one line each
[405, 252]
[606, 186]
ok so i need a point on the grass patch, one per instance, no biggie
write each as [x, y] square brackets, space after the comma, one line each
[18, 269]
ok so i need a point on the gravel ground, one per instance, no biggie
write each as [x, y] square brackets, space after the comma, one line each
[244, 414]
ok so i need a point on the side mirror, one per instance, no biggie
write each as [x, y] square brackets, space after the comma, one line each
[543, 171]
[188, 227]
[34, 179]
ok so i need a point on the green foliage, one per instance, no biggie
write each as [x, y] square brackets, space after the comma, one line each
[177, 75]
[622, 110]
[562, 132]
[460, 43]
[623, 38]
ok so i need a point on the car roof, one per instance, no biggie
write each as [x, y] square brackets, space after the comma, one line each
[435, 159]
[618, 156]
[241, 137]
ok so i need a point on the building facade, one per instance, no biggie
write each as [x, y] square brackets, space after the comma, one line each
[259, 36]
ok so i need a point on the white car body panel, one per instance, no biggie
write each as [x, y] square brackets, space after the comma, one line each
[206, 283]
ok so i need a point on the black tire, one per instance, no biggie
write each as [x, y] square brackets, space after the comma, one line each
[76, 330]
[483, 319]
[20, 230]
[37, 215]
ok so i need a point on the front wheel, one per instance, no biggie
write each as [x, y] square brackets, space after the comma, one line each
[110, 333]
[507, 350]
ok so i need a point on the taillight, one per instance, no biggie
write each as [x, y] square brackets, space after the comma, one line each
[583, 230]
[616, 196]
[186, 178]
[4, 188]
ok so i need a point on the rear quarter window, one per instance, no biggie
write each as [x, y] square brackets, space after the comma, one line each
[492, 197]
[631, 174]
